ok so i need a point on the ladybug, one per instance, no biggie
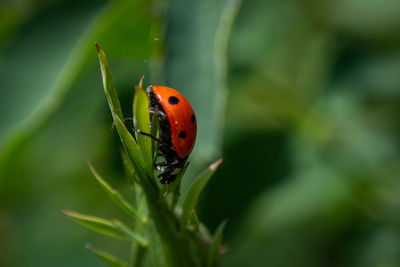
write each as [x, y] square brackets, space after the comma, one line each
[178, 127]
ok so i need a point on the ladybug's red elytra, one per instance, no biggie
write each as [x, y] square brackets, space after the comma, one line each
[178, 127]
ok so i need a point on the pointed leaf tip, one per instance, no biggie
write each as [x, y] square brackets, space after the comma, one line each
[215, 248]
[97, 46]
[196, 188]
[141, 82]
[66, 211]
[108, 82]
[193, 220]
[216, 164]
[107, 257]
[89, 162]
[88, 246]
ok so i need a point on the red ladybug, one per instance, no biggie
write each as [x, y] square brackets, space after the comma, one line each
[178, 127]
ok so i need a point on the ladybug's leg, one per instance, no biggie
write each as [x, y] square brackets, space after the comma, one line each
[167, 177]
[161, 166]
[157, 111]
[173, 163]
[149, 135]
[165, 166]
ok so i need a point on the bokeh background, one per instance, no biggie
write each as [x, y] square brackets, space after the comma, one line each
[300, 98]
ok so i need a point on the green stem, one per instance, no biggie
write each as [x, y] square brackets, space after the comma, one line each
[139, 256]
[138, 251]
[179, 249]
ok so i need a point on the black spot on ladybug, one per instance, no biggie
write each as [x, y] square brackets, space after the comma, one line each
[173, 100]
[193, 118]
[182, 134]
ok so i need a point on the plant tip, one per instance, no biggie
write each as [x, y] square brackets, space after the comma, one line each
[216, 164]
[91, 167]
[140, 85]
[97, 46]
[88, 246]
[65, 210]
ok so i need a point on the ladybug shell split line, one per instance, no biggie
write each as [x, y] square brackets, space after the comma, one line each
[181, 118]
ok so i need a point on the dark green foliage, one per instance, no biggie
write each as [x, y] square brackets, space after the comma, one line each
[307, 126]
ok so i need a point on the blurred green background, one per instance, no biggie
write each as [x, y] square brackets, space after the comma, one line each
[300, 97]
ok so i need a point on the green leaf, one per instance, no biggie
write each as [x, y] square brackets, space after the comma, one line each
[106, 257]
[114, 228]
[196, 188]
[130, 172]
[108, 83]
[117, 198]
[141, 121]
[122, 228]
[99, 225]
[214, 249]
[130, 145]
[194, 220]
[136, 158]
